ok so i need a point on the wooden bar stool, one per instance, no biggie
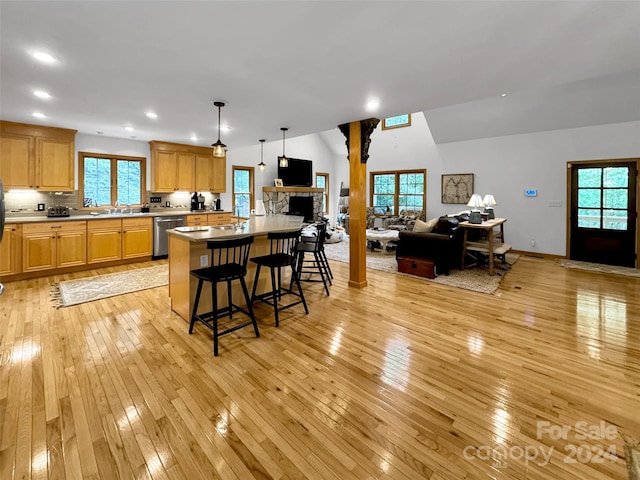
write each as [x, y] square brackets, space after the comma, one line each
[228, 262]
[282, 254]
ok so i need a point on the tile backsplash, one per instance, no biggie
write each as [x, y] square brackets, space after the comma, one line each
[19, 203]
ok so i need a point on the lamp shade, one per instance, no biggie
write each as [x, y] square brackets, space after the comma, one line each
[475, 201]
[488, 200]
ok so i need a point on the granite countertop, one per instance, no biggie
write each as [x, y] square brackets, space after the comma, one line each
[106, 216]
[256, 225]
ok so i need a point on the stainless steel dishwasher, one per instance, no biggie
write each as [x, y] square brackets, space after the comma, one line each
[160, 235]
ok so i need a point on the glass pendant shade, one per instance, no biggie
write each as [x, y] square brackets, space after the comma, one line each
[283, 160]
[261, 165]
[219, 147]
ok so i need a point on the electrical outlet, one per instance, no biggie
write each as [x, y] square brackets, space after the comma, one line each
[533, 242]
[204, 260]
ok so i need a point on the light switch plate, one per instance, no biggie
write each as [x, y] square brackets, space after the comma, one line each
[204, 260]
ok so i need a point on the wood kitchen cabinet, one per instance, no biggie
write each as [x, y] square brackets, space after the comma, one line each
[219, 218]
[11, 250]
[175, 166]
[197, 220]
[116, 239]
[53, 245]
[211, 173]
[104, 240]
[36, 157]
[137, 237]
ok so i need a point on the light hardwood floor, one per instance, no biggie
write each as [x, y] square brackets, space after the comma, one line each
[401, 380]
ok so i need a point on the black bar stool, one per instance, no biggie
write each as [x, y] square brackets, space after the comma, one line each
[314, 266]
[322, 252]
[282, 254]
[228, 263]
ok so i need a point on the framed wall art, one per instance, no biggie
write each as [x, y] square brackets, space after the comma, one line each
[278, 182]
[457, 187]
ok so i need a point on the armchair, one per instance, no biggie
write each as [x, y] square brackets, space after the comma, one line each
[370, 216]
[405, 220]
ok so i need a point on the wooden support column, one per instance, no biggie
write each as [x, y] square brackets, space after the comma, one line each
[358, 139]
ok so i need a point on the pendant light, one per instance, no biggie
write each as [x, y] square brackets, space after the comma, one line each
[218, 147]
[284, 161]
[261, 165]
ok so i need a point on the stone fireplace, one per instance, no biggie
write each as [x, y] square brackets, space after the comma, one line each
[278, 200]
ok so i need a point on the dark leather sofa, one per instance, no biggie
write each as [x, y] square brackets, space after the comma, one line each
[442, 246]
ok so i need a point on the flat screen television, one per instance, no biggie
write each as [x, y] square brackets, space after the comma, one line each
[297, 174]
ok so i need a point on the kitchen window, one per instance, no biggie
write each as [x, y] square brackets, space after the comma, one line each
[108, 180]
[242, 191]
[398, 190]
[322, 181]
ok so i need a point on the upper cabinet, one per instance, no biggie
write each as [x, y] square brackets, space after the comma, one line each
[36, 157]
[175, 166]
[211, 174]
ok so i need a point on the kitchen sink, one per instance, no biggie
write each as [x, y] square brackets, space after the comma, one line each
[229, 226]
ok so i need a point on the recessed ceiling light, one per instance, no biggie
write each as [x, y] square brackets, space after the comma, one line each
[41, 94]
[503, 94]
[151, 114]
[44, 57]
[193, 138]
[39, 115]
[373, 104]
[129, 129]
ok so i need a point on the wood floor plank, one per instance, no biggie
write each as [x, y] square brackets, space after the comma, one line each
[402, 380]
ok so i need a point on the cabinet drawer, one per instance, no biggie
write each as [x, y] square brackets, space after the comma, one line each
[219, 218]
[136, 222]
[417, 266]
[112, 223]
[46, 227]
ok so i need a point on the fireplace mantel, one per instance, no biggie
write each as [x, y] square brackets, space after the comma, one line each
[293, 189]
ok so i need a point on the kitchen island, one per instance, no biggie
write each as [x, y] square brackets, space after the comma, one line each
[188, 251]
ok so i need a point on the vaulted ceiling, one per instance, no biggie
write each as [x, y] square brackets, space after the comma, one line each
[313, 65]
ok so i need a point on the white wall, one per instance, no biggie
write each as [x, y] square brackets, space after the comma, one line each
[506, 166]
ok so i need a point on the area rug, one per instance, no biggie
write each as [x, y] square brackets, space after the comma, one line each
[601, 268]
[74, 292]
[476, 279]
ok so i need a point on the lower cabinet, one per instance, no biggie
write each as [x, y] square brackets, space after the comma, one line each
[137, 237]
[116, 239]
[104, 240]
[197, 220]
[53, 245]
[219, 218]
[11, 250]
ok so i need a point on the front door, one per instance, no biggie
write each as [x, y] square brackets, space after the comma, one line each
[603, 213]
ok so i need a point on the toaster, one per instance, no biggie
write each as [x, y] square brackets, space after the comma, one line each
[58, 211]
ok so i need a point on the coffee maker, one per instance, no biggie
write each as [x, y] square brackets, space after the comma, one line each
[197, 202]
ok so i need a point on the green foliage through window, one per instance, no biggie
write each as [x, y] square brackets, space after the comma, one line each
[396, 191]
[109, 180]
[603, 198]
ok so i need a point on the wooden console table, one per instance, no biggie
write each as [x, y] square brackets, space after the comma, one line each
[494, 242]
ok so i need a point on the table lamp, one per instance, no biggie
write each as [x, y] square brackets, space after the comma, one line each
[489, 202]
[476, 203]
